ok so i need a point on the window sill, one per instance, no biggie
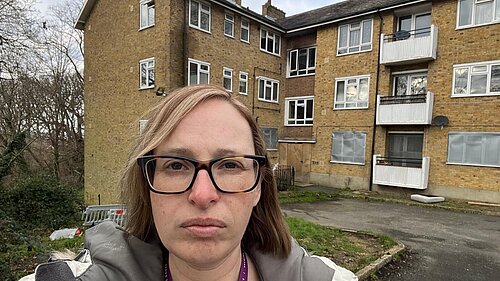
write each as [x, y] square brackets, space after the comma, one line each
[302, 75]
[472, 165]
[474, 96]
[476, 25]
[268, 101]
[351, 108]
[243, 94]
[299, 125]
[347, 163]
[267, 52]
[272, 149]
[353, 53]
[146, 88]
[146, 27]
[247, 42]
[198, 28]
[229, 36]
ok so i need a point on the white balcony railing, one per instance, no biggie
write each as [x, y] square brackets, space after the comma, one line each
[405, 110]
[402, 173]
[406, 47]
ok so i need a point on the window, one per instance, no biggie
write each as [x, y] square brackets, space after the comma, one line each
[348, 147]
[299, 111]
[143, 123]
[355, 37]
[410, 84]
[245, 31]
[482, 149]
[199, 15]
[419, 23]
[268, 89]
[243, 83]
[270, 42]
[229, 25]
[270, 138]
[302, 61]
[147, 70]
[147, 13]
[199, 72]
[406, 149]
[351, 92]
[477, 79]
[478, 12]
[227, 75]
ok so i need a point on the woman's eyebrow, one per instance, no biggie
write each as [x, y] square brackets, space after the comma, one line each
[180, 151]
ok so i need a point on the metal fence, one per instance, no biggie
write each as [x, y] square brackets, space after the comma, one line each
[284, 176]
[95, 214]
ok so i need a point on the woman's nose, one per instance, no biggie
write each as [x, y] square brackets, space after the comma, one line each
[203, 193]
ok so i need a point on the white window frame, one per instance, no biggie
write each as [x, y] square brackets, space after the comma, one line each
[361, 44]
[199, 63]
[150, 65]
[227, 74]
[148, 5]
[201, 11]
[475, 3]
[271, 84]
[363, 134]
[143, 123]
[270, 35]
[246, 28]
[243, 80]
[298, 102]
[464, 148]
[229, 19]
[409, 75]
[470, 68]
[309, 70]
[267, 131]
[346, 79]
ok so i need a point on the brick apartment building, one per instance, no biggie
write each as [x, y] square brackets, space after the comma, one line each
[388, 95]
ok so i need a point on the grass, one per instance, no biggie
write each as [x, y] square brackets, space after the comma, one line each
[294, 196]
[22, 259]
[353, 250]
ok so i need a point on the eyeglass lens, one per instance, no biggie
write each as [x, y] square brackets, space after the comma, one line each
[175, 175]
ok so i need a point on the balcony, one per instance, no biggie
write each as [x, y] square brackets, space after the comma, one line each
[401, 172]
[405, 110]
[408, 47]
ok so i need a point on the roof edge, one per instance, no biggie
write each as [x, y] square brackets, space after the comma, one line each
[305, 27]
[84, 14]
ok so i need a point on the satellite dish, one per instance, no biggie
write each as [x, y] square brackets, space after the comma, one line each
[440, 120]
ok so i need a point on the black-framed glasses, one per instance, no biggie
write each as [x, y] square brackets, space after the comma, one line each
[168, 174]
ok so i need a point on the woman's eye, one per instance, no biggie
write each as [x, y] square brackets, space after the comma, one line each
[176, 166]
[230, 165]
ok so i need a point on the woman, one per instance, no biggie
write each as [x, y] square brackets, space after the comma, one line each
[202, 204]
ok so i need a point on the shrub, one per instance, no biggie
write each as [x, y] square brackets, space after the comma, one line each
[40, 201]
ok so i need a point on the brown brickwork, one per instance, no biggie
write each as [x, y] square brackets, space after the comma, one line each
[113, 102]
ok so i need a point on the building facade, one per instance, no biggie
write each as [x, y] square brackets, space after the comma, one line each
[389, 95]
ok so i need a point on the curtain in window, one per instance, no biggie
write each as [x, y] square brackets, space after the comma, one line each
[484, 12]
[495, 77]
[461, 78]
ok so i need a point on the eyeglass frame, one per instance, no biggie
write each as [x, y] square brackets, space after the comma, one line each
[199, 165]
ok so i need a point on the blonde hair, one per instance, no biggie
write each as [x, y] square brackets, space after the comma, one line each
[267, 230]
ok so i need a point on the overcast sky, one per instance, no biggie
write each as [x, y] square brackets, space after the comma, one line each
[291, 7]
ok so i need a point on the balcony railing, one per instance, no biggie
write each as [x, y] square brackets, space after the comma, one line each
[401, 172]
[405, 110]
[405, 47]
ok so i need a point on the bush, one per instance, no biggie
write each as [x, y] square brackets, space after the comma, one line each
[40, 201]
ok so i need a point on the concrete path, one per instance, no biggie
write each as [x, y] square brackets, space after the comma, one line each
[445, 245]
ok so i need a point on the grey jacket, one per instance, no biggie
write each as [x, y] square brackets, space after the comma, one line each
[116, 255]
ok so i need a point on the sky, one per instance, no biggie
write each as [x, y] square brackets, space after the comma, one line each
[291, 7]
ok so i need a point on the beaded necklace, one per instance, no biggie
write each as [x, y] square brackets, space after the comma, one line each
[243, 269]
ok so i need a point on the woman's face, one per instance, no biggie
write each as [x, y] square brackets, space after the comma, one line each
[203, 226]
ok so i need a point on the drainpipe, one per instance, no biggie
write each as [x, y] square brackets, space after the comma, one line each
[185, 43]
[376, 98]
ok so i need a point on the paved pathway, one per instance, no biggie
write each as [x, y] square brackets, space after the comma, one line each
[447, 245]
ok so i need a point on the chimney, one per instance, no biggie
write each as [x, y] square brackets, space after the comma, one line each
[272, 12]
[238, 2]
